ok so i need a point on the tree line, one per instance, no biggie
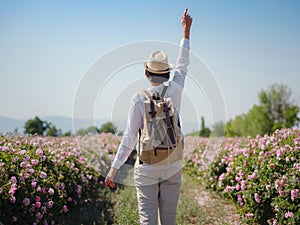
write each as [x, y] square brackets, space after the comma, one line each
[44, 128]
[275, 110]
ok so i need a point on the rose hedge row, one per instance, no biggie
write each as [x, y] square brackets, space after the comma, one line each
[261, 175]
[42, 178]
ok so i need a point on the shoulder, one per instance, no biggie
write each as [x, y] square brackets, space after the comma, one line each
[138, 97]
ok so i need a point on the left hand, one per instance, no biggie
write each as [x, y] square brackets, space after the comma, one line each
[109, 180]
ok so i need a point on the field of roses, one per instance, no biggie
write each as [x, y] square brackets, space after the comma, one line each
[261, 175]
[43, 178]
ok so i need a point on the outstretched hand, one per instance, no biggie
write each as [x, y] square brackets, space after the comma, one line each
[186, 22]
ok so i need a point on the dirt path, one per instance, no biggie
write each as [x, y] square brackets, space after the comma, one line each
[217, 210]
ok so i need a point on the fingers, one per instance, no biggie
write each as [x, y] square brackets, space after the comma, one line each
[109, 183]
[186, 15]
[185, 12]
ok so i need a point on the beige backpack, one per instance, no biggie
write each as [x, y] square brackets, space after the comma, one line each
[160, 140]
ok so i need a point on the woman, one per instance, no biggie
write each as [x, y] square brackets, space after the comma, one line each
[158, 186]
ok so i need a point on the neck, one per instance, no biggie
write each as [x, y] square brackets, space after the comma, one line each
[154, 84]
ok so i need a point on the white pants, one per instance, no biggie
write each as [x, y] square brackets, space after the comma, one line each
[157, 193]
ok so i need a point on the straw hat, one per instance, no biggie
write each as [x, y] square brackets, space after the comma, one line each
[158, 63]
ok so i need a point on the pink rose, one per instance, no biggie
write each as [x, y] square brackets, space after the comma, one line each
[51, 191]
[50, 204]
[39, 152]
[289, 214]
[14, 179]
[43, 175]
[26, 201]
[250, 215]
[39, 215]
[38, 204]
[37, 198]
[294, 194]
[257, 198]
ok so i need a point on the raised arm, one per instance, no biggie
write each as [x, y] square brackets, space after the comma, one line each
[183, 55]
[186, 22]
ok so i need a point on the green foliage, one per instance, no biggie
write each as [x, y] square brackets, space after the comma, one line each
[53, 131]
[40, 127]
[126, 207]
[35, 126]
[68, 133]
[274, 111]
[108, 127]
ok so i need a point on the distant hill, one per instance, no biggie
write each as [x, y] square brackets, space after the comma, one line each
[10, 125]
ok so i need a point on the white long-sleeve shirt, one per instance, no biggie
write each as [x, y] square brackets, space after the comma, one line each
[136, 108]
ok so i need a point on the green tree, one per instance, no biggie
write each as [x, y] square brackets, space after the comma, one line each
[275, 110]
[35, 126]
[108, 127]
[51, 130]
[205, 131]
[218, 129]
[278, 108]
[68, 133]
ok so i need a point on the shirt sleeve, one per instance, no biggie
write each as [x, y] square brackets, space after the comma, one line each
[182, 63]
[130, 135]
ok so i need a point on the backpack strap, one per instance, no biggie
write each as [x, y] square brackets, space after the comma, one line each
[147, 94]
[169, 124]
[164, 91]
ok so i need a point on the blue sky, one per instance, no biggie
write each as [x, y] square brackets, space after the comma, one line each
[46, 47]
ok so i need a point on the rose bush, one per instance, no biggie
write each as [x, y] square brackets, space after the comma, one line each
[42, 178]
[261, 175]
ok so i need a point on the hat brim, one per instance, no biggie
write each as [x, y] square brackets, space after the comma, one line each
[171, 66]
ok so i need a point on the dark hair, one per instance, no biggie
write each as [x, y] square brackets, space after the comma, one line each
[163, 75]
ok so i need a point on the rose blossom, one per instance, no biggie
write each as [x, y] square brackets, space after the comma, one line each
[34, 162]
[31, 171]
[243, 185]
[43, 175]
[26, 201]
[294, 194]
[39, 215]
[12, 190]
[51, 191]
[37, 198]
[289, 214]
[50, 204]
[33, 184]
[23, 164]
[257, 198]
[39, 152]
[14, 179]
[250, 215]
[38, 204]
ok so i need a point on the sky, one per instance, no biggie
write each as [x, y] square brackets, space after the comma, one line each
[47, 48]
